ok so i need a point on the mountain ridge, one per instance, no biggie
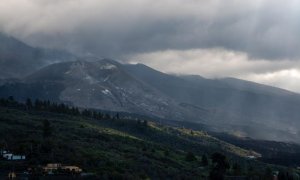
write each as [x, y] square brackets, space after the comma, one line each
[109, 85]
[18, 59]
[230, 105]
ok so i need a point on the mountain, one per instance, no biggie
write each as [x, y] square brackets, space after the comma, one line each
[18, 59]
[236, 106]
[101, 84]
[225, 105]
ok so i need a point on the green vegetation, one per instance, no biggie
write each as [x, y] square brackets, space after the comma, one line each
[115, 147]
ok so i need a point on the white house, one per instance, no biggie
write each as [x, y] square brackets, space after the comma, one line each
[2, 151]
[12, 157]
[7, 155]
[251, 157]
[18, 157]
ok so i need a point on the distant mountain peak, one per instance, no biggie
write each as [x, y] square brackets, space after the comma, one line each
[18, 59]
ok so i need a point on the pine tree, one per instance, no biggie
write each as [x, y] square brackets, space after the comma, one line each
[220, 166]
[204, 160]
[107, 116]
[29, 103]
[47, 130]
[145, 123]
[190, 157]
[11, 98]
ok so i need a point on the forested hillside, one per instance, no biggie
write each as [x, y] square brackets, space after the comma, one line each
[111, 145]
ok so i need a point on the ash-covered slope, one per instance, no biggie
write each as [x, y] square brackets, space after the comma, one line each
[105, 84]
[227, 105]
[236, 106]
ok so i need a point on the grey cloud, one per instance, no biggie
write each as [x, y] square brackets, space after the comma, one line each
[217, 63]
[260, 28]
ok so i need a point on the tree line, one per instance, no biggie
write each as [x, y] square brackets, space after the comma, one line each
[46, 105]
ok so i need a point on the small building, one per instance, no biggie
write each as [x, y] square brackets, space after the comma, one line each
[52, 167]
[74, 169]
[18, 157]
[235, 178]
[12, 157]
[251, 157]
[12, 175]
[7, 156]
[2, 152]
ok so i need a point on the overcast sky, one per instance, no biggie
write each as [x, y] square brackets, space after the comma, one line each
[257, 40]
